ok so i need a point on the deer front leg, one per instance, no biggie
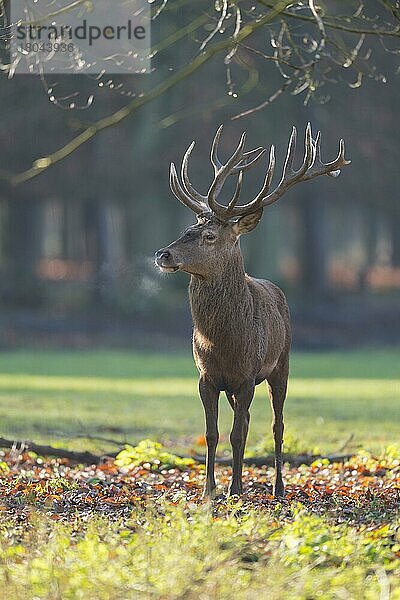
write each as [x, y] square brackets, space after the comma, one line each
[242, 401]
[209, 397]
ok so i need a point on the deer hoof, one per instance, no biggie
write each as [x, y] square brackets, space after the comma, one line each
[279, 491]
[235, 490]
[209, 494]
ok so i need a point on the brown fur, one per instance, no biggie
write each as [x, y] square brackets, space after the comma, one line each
[241, 324]
[241, 333]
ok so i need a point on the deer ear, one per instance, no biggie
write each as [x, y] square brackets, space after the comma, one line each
[248, 222]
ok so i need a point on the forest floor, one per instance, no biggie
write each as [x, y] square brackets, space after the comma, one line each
[137, 526]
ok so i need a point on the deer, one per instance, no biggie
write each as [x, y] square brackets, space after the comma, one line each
[241, 325]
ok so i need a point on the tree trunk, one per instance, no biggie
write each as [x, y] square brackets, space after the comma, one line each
[313, 251]
[23, 251]
[395, 239]
[371, 237]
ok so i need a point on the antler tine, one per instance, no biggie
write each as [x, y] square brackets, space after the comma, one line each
[214, 157]
[309, 152]
[236, 195]
[312, 165]
[237, 163]
[222, 173]
[291, 149]
[240, 161]
[237, 155]
[268, 177]
[317, 144]
[185, 178]
[181, 194]
[340, 158]
[255, 204]
[246, 163]
[288, 172]
[331, 168]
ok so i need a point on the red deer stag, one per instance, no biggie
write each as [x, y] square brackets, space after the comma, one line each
[241, 331]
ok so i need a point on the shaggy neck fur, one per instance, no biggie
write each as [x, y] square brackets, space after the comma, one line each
[221, 304]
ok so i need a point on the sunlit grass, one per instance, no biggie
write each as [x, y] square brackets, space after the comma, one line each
[122, 395]
[365, 364]
[185, 552]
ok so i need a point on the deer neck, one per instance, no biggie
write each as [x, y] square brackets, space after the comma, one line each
[222, 302]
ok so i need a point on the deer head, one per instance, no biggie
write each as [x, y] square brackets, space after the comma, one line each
[204, 248]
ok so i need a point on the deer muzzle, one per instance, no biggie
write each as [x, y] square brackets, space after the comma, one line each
[165, 261]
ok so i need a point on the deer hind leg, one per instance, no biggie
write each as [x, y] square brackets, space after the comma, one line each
[209, 397]
[278, 384]
[238, 437]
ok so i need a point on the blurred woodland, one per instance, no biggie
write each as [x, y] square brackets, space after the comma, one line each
[77, 239]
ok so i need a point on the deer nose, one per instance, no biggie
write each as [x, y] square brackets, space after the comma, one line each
[163, 255]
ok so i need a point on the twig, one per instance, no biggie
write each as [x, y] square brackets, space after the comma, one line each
[53, 14]
[269, 100]
[81, 457]
[395, 32]
[89, 458]
[320, 25]
[346, 443]
[120, 115]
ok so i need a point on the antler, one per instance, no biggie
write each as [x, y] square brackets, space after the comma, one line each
[240, 161]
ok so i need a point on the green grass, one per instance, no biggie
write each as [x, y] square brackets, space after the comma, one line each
[183, 549]
[186, 552]
[59, 396]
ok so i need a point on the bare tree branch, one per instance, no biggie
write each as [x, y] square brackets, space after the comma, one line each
[55, 13]
[307, 57]
[395, 32]
[42, 164]
[269, 100]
